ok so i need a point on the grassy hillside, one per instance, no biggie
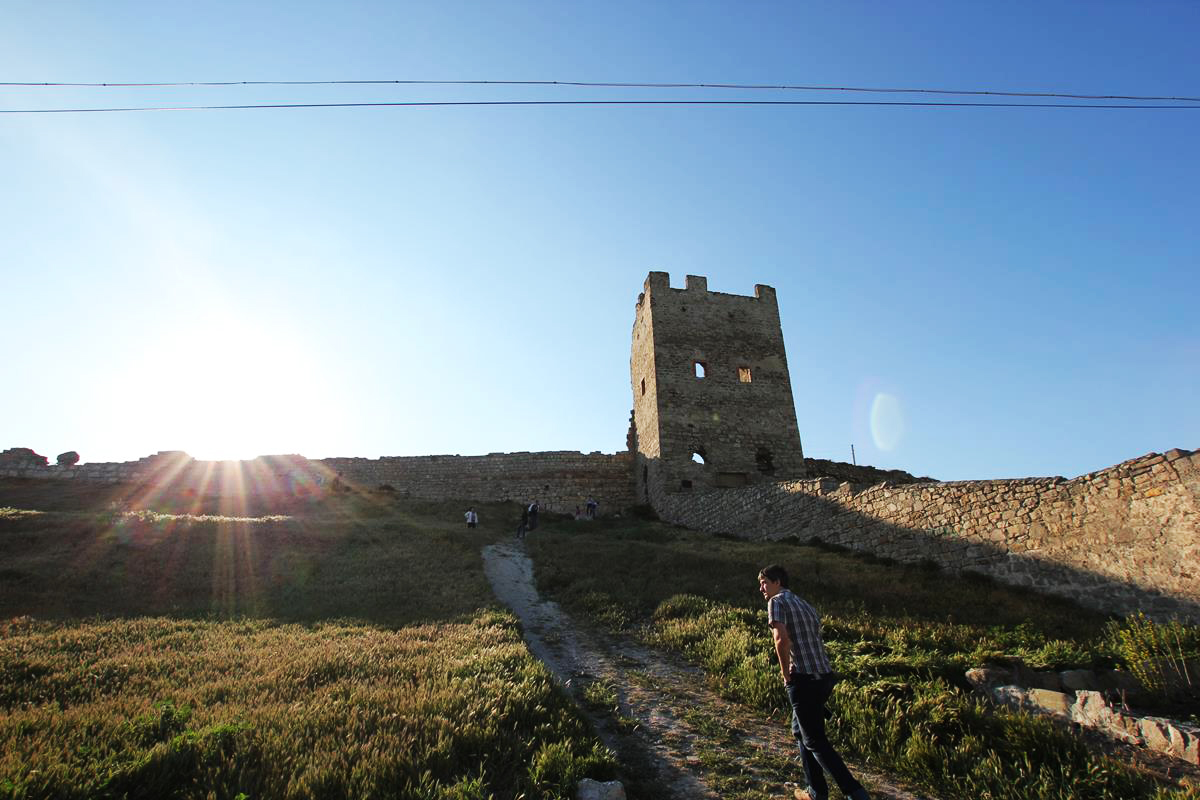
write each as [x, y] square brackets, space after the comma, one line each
[350, 648]
[901, 637]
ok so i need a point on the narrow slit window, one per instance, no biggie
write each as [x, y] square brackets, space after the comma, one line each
[744, 374]
[701, 368]
[643, 385]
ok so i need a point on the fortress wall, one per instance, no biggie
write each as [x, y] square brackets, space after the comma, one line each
[1122, 539]
[858, 473]
[559, 480]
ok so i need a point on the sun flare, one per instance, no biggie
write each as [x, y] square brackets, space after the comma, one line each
[222, 388]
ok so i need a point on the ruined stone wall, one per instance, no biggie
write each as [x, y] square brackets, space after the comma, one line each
[739, 415]
[560, 481]
[858, 473]
[1122, 539]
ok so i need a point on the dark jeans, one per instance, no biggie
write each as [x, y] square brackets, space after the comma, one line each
[807, 694]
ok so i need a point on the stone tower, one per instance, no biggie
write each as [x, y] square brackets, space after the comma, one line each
[712, 398]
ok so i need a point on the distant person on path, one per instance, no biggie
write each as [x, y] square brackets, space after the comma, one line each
[472, 518]
[523, 525]
[808, 677]
[533, 515]
[592, 505]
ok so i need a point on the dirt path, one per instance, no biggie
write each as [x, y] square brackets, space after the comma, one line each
[675, 737]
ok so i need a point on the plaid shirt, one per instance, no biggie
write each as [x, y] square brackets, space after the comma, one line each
[803, 626]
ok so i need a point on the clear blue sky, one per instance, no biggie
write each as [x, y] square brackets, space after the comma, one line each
[1012, 292]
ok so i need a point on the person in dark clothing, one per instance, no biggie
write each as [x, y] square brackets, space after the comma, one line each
[523, 525]
[808, 678]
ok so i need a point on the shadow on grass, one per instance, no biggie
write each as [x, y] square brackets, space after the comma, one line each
[772, 512]
[358, 556]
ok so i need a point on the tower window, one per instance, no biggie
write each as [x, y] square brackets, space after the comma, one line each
[698, 457]
[643, 386]
[701, 368]
[764, 461]
[744, 374]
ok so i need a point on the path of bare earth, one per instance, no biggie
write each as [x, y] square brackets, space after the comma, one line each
[683, 740]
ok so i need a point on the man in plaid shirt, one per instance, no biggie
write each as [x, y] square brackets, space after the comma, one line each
[804, 665]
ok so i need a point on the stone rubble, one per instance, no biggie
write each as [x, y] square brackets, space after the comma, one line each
[1080, 697]
[595, 790]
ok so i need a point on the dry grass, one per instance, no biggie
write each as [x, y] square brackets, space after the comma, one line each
[350, 648]
[901, 637]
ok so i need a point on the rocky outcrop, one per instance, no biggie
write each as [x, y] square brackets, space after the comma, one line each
[1093, 699]
[596, 790]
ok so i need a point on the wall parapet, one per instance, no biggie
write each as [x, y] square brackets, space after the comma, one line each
[1122, 539]
[559, 480]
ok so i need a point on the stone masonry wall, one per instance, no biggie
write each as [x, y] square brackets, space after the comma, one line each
[736, 410]
[1123, 539]
[560, 481]
[858, 473]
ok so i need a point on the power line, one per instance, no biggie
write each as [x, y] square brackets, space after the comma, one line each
[614, 85]
[413, 104]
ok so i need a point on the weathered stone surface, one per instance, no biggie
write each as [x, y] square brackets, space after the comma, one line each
[710, 378]
[18, 457]
[1118, 540]
[987, 678]
[1166, 736]
[1040, 701]
[595, 790]
[1050, 701]
[560, 481]
[1156, 733]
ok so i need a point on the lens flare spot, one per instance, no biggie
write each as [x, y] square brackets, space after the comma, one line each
[887, 421]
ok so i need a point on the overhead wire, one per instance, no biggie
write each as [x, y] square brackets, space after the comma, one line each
[422, 103]
[606, 84]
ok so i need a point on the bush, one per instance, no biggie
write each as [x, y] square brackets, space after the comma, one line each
[1164, 657]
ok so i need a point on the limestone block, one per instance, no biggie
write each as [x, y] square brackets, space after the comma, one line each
[1091, 709]
[1050, 701]
[1156, 733]
[1188, 745]
[595, 790]
[1173, 738]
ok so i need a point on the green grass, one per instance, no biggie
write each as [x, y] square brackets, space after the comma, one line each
[900, 637]
[179, 708]
[354, 558]
[348, 648]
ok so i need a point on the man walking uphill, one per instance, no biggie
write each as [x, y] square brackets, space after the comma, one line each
[804, 665]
